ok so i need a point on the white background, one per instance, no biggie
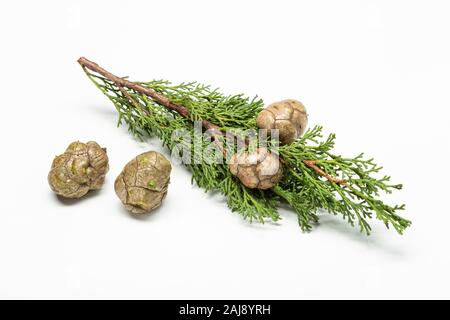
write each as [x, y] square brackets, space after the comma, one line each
[377, 73]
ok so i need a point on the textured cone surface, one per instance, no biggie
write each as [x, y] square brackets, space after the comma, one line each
[82, 167]
[259, 169]
[142, 184]
[288, 116]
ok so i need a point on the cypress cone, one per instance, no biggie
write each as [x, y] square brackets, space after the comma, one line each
[314, 179]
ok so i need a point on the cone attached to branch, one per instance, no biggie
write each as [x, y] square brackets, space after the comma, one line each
[258, 169]
[312, 177]
[288, 116]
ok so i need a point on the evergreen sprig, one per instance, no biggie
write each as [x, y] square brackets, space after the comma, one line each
[356, 199]
[314, 178]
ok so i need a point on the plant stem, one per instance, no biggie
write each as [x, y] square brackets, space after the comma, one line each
[183, 111]
[157, 97]
[312, 164]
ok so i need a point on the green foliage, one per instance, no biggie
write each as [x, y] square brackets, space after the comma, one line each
[205, 103]
[357, 200]
[305, 190]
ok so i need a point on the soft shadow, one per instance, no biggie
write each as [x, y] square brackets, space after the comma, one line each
[256, 225]
[374, 240]
[105, 110]
[148, 216]
[69, 202]
[220, 199]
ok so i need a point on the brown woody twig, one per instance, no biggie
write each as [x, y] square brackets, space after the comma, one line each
[312, 164]
[183, 111]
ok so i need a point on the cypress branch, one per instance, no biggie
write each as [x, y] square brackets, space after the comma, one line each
[315, 179]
